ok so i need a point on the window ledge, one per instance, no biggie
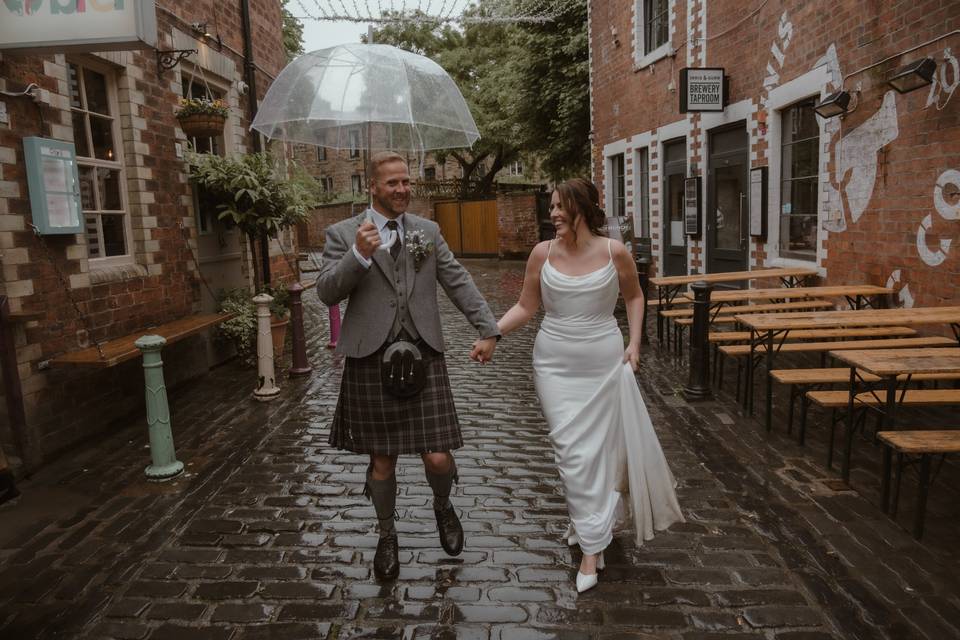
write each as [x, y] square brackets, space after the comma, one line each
[116, 273]
[786, 263]
[659, 53]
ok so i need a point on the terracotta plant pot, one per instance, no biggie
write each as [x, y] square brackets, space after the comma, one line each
[278, 331]
[202, 125]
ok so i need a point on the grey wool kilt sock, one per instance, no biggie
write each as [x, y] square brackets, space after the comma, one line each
[383, 495]
[442, 483]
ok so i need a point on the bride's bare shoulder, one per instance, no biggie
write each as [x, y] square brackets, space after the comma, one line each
[540, 251]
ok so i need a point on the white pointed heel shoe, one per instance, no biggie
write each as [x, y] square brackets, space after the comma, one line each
[586, 582]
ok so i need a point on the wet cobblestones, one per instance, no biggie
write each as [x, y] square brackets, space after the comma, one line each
[268, 535]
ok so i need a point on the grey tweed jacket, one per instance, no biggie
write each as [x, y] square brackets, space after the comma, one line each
[373, 299]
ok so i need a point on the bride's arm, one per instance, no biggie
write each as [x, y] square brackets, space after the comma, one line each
[633, 298]
[529, 302]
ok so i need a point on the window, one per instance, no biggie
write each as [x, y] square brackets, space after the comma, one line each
[96, 134]
[430, 173]
[326, 183]
[190, 88]
[643, 178]
[618, 204]
[321, 154]
[799, 179]
[356, 184]
[515, 168]
[354, 139]
[656, 24]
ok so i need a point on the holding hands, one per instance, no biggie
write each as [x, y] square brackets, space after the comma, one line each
[483, 349]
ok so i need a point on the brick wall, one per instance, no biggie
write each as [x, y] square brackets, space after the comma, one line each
[889, 172]
[78, 298]
[517, 224]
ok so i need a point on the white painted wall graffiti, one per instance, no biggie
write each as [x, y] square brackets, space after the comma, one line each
[945, 81]
[947, 210]
[903, 294]
[778, 50]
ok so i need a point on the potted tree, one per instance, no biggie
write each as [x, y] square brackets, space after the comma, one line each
[200, 118]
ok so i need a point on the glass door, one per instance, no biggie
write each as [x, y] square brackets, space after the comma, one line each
[674, 239]
[728, 215]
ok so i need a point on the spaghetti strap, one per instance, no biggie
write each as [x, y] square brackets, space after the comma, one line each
[549, 249]
[609, 248]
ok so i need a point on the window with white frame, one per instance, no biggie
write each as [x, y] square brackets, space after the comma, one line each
[321, 154]
[643, 180]
[799, 179]
[326, 183]
[651, 30]
[618, 184]
[515, 168]
[96, 134]
[430, 173]
[354, 141]
[356, 184]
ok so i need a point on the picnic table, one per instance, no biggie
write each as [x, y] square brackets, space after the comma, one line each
[857, 296]
[894, 368]
[765, 329]
[669, 287]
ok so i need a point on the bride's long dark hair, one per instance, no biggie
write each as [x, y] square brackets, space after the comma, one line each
[580, 199]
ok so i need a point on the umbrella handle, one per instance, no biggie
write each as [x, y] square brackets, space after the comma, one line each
[392, 237]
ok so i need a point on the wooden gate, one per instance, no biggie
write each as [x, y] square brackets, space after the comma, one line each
[469, 227]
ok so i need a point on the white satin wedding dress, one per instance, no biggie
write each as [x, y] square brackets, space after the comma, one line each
[603, 438]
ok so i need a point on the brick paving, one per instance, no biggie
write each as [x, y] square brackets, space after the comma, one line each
[268, 535]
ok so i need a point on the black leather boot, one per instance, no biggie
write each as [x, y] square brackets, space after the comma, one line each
[383, 494]
[448, 524]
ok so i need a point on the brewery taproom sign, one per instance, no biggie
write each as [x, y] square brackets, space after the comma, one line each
[702, 90]
[61, 26]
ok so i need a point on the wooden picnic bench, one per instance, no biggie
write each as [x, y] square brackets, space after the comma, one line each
[772, 330]
[668, 287]
[886, 395]
[113, 352]
[921, 444]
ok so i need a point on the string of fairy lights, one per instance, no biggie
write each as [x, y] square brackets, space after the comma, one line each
[434, 11]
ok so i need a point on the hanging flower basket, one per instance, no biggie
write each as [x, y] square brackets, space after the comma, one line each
[202, 118]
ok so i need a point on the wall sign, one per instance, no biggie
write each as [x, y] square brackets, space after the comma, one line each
[758, 201]
[702, 89]
[691, 206]
[64, 26]
[54, 185]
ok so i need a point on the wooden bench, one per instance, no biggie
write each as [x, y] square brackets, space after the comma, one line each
[814, 334]
[920, 445]
[684, 317]
[802, 380]
[123, 349]
[839, 400]
[743, 350]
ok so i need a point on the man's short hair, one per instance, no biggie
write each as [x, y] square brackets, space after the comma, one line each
[381, 158]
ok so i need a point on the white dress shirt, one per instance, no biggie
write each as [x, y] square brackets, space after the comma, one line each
[381, 221]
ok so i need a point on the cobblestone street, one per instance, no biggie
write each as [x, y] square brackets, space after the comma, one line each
[269, 536]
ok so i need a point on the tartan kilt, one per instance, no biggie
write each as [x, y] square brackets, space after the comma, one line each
[368, 420]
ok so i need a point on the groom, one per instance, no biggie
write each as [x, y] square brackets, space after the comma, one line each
[393, 297]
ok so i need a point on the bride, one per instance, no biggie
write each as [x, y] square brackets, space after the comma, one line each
[603, 439]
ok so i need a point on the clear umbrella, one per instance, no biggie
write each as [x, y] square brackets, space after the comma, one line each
[370, 96]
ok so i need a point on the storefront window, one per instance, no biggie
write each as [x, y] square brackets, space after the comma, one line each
[799, 180]
[96, 134]
[619, 188]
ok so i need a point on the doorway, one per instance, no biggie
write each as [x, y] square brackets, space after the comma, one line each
[728, 205]
[674, 239]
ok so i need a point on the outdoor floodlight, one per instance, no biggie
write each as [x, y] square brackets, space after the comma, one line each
[918, 73]
[834, 104]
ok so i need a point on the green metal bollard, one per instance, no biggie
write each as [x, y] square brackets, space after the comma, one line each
[165, 464]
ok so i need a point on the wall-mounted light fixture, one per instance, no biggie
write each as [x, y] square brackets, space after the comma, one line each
[201, 28]
[834, 104]
[914, 75]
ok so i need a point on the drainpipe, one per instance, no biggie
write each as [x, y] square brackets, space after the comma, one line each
[250, 72]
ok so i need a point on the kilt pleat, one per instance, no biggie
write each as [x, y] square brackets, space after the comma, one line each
[368, 420]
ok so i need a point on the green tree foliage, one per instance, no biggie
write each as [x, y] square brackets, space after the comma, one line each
[292, 33]
[527, 85]
[551, 94]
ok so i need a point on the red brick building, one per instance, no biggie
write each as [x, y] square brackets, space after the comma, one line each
[872, 196]
[148, 252]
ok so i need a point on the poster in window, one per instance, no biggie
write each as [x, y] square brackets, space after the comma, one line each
[758, 201]
[691, 206]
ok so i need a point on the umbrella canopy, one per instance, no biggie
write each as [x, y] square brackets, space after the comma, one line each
[370, 96]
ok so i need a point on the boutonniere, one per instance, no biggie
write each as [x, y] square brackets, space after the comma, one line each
[418, 247]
